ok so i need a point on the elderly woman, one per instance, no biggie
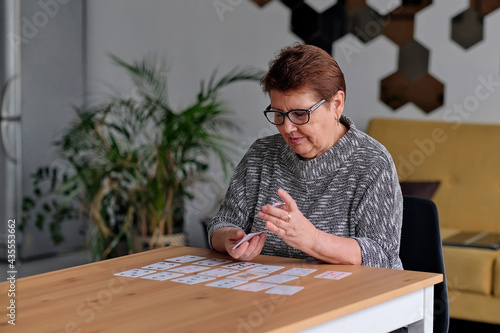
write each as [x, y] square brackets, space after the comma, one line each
[341, 195]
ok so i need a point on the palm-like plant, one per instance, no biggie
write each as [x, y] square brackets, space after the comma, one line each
[133, 158]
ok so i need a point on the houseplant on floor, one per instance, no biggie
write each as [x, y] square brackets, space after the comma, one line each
[133, 159]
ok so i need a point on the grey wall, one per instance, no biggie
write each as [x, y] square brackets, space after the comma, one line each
[52, 81]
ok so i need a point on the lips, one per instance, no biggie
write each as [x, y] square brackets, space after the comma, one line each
[295, 141]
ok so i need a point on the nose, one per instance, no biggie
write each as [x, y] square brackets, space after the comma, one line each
[288, 126]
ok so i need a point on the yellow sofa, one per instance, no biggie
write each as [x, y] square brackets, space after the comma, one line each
[465, 159]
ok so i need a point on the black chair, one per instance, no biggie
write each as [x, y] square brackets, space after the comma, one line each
[204, 224]
[421, 250]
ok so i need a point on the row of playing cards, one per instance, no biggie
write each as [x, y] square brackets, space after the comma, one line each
[235, 277]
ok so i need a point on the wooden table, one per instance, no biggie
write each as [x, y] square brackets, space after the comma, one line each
[89, 298]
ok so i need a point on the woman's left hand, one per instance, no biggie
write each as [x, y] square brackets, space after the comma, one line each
[289, 223]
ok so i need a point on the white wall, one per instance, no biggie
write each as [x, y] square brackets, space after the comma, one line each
[196, 39]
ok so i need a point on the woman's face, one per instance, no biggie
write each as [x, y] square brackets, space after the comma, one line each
[320, 133]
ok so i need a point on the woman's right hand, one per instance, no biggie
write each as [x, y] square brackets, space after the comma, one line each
[225, 239]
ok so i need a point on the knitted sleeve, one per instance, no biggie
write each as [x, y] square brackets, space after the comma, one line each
[233, 209]
[379, 219]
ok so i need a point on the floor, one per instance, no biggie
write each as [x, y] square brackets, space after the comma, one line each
[66, 260]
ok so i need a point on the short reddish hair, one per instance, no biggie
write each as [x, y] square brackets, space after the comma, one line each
[298, 66]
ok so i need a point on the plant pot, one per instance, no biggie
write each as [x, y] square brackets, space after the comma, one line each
[144, 243]
[121, 249]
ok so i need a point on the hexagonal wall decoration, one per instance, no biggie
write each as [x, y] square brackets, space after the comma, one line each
[262, 3]
[467, 27]
[320, 5]
[411, 82]
[364, 23]
[317, 28]
[413, 60]
[322, 22]
[384, 7]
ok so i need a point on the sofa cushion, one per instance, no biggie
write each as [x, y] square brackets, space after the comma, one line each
[470, 269]
[422, 189]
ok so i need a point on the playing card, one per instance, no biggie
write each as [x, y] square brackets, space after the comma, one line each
[193, 279]
[299, 271]
[188, 269]
[247, 238]
[212, 262]
[265, 269]
[279, 204]
[278, 278]
[241, 265]
[284, 290]
[226, 283]
[161, 276]
[255, 286]
[248, 276]
[183, 259]
[218, 272]
[333, 275]
[161, 265]
[134, 272]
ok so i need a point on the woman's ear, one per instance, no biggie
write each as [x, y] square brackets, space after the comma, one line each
[338, 103]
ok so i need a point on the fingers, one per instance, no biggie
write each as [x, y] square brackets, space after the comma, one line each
[233, 237]
[274, 215]
[287, 199]
[247, 250]
[252, 248]
[275, 229]
[236, 235]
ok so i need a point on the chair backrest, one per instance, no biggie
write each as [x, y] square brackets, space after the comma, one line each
[204, 224]
[421, 250]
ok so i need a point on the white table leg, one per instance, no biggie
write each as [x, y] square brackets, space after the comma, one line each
[415, 308]
[425, 325]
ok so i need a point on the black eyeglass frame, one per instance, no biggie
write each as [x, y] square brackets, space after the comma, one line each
[287, 114]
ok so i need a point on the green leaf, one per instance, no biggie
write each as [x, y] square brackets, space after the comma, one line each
[24, 221]
[28, 204]
[40, 220]
[55, 232]
[53, 179]
[46, 208]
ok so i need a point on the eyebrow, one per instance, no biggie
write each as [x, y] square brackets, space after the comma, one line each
[294, 109]
[271, 108]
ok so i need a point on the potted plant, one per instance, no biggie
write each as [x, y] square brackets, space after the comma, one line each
[133, 160]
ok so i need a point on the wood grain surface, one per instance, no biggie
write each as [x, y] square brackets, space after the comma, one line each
[89, 298]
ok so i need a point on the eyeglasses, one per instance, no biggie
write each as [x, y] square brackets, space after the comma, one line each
[298, 117]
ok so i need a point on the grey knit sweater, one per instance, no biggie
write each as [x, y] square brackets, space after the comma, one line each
[351, 190]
